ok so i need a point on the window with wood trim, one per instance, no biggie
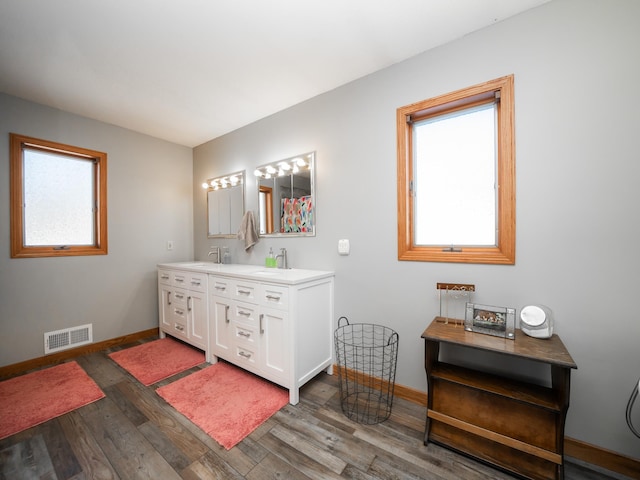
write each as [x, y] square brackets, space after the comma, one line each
[58, 199]
[456, 176]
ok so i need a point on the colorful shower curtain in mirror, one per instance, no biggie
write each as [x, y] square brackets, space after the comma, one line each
[296, 215]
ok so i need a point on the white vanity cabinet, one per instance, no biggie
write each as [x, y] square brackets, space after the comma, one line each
[275, 323]
[280, 331]
[183, 306]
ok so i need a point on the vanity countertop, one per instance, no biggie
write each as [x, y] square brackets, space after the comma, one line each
[290, 276]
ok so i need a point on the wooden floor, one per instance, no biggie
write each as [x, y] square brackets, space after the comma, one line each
[135, 434]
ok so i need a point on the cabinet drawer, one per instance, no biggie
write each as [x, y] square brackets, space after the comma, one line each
[247, 335]
[244, 313]
[197, 282]
[180, 313]
[179, 279]
[178, 298]
[275, 296]
[179, 329]
[245, 291]
[164, 277]
[220, 286]
[246, 357]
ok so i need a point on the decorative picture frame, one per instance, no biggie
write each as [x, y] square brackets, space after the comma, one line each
[490, 320]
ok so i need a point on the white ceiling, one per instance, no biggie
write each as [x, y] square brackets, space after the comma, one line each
[191, 70]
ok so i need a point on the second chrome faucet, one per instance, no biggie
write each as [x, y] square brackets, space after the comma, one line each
[283, 256]
[215, 251]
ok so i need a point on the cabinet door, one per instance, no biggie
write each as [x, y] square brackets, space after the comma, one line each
[164, 307]
[222, 328]
[197, 321]
[275, 344]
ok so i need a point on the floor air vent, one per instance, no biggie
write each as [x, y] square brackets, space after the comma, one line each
[67, 338]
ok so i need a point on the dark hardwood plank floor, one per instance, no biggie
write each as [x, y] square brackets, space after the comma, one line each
[134, 434]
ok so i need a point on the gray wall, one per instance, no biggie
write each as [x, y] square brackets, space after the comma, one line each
[150, 201]
[576, 72]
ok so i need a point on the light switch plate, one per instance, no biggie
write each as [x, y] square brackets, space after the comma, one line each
[343, 246]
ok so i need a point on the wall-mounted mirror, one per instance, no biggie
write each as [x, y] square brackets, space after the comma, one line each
[225, 205]
[287, 196]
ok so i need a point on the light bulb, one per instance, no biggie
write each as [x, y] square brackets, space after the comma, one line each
[257, 172]
[205, 185]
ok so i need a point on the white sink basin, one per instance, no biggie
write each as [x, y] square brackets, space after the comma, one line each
[266, 272]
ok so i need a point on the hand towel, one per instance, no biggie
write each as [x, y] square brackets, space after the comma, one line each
[248, 231]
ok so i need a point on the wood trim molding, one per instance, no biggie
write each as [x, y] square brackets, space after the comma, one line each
[602, 457]
[59, 357]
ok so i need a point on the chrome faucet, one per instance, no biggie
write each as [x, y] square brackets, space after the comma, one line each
[216, 252]
[283, 256]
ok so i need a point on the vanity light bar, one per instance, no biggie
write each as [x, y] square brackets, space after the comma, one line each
[223, 182]
[283, 167]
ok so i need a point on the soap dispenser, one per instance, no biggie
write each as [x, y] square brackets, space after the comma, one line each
[271, 259]
[226, 256]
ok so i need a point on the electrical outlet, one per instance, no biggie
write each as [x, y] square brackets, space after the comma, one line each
[343, 246]
[169, 244]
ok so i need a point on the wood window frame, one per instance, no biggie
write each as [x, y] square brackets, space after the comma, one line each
[18, 249]
[504, 250]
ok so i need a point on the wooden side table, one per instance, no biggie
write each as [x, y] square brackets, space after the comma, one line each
[513, 425]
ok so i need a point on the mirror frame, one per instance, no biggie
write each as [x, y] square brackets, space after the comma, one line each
[312, 186]
[212, 190]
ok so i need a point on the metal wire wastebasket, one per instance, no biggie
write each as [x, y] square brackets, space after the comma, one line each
[366, 356]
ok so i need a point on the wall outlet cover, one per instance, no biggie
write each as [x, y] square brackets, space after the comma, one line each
[343, 246]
